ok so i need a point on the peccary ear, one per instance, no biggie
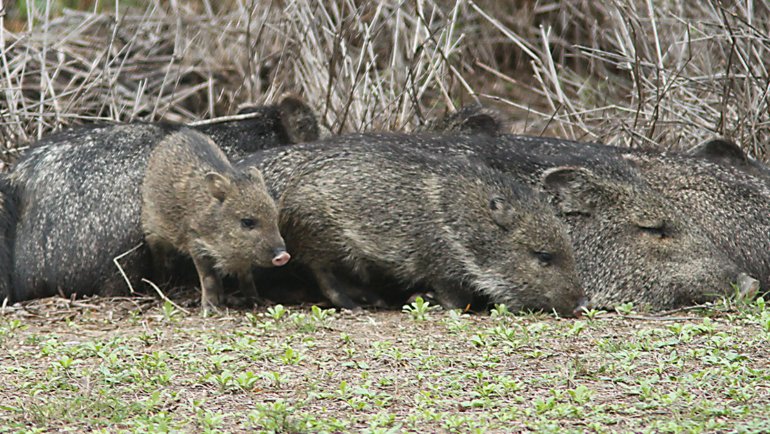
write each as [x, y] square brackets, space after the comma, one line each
[719, 150]
[474, 119]
[218, 185]
[576, 190]
[248, 109]
[256, 175]
[503, 213]
[480, 120]
[298, 119]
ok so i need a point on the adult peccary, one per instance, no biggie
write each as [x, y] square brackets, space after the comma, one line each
[449, 224]
[631, 243]
[726, 203]
[79, 201]
[195, 202]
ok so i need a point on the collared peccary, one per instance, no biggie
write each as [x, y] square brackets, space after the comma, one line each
[195, 202]
[79, 200]
[727, 202]
[631, 243]
[450, 224]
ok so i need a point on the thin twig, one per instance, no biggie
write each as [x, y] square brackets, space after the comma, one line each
[120, 268]
[163, 296]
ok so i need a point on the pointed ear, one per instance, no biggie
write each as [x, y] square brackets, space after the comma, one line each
[503, 213]
[472, 119]
[218, 186]
[576, 190]
[479, 120]
[719, 151]
[256, 175]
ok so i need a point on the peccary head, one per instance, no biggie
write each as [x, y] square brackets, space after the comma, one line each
[523, 254]
[632, 245]
[239, 225]
[298, 120]
[289, 121]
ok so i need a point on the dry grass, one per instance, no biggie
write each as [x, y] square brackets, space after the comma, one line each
[624, 72]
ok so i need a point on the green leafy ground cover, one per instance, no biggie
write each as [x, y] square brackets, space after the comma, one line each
[138, 365]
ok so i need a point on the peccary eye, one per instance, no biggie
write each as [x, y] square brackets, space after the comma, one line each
[248, 223]
[658, 231]
[545, 258]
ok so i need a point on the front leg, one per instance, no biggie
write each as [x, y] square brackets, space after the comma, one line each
[452, 296]
[333, 289]
[162, 258]
[212, 294]
[247, 288]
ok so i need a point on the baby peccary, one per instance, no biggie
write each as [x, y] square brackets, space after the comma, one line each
[195, 202]
[454, 226]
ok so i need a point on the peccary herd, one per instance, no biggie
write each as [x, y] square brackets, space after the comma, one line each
[458, 209]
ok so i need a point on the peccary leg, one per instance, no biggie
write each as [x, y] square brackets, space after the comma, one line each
[162, 258]
[247, 287]
[333, 289]
[212, 294]
[452, 296]
[368, 297]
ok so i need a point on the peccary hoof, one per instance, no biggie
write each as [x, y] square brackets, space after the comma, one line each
[428, 296]
[245, 301]
[748, 286]
[208, 309]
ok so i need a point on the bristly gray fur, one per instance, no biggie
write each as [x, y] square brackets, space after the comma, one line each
[79, 199]
[8, 219]
[420, 218]
[613, 213]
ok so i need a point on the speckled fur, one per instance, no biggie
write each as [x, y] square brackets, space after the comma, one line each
[716, 215]
[731, 205]
[617, 260]
[194, 202]
[290, 121]
[726, 153]
[420, 219]
[80, 204]
[178, 208]
[79, 200]
[8, 218]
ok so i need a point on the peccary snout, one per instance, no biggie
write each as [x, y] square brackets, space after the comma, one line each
[582, 305]
[280, 256]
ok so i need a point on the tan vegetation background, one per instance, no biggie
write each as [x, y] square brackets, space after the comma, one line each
[663, 73]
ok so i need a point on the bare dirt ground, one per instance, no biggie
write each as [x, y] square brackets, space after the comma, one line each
[141, 365]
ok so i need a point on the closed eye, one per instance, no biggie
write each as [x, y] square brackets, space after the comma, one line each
[248, 223]
[658, 231]
[545, 258]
